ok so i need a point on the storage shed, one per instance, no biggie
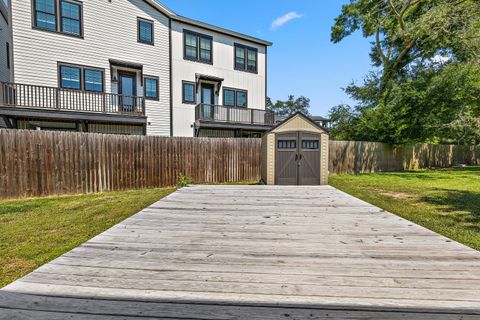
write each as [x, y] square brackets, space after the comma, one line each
[295, 152]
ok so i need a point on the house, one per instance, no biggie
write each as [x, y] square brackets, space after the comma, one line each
[321, 121]
[128, 67]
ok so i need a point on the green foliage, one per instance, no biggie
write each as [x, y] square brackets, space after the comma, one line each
[342, 118]
[427, 85]
[183, 181]
[289, 107]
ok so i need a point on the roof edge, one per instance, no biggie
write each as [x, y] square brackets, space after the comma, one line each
[299, 113]
[172, 15]
[221, 30]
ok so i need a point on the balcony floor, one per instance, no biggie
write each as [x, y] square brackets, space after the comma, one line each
[43, 113]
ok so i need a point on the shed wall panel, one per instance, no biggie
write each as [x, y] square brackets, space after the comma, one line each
[324, 140]
[271, 159]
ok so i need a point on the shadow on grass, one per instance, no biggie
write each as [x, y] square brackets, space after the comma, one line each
[435, 174]
[415, 175]
[464, 205]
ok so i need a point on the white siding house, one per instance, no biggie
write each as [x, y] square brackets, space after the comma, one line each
[119, 66]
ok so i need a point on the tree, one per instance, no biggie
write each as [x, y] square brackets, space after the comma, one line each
[342, 119]
[407, 30]
[427, 54]
[289, 107]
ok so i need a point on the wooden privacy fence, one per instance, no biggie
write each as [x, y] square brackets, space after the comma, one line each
[40, 163]
[364, 157]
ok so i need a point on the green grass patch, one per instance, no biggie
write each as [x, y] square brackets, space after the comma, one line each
[446, 201]
[36, 231]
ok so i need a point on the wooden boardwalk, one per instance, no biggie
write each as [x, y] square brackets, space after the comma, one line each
[255, 252]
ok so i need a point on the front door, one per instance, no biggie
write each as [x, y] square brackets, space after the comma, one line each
[297, 159]
[208, 101]
[127, 90]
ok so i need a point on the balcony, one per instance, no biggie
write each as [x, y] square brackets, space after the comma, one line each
[51, 102]
[216, 116]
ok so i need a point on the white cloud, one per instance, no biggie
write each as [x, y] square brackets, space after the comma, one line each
[284, 19]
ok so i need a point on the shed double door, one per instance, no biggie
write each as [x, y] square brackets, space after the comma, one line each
[297, 158]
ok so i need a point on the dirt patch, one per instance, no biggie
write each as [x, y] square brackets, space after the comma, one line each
[397, 195]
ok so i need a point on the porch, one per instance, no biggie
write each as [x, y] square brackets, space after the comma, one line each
[26, 106]
[232, 121]
[255, 252]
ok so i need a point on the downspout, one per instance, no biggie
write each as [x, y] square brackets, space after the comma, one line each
[266, 76]
[171, 74]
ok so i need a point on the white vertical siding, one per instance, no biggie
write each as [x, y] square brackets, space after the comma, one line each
[223, 67]
[110, 32]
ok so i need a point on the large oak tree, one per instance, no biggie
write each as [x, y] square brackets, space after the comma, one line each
[426, 82]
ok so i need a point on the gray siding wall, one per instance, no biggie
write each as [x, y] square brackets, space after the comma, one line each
[5, 37]
[110, 32]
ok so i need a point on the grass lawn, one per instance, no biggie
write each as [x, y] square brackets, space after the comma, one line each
[36, 231]
[446, 201]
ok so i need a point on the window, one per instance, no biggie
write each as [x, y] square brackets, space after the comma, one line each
[151, 88]
[45, 14]
[145, 31]
[8, 55]
[188, 92]
[63, 16]
[241, 99]
[287, 144]
[246, 58]
[76, 77]
[205, 49]
[235, 98]
[70, 77]
[71, 18]
[190, 46]
[310, 144]
[197, 47]
[239, 58]
[252, 60]
[93, 80]
[5, 2]
[229, 98]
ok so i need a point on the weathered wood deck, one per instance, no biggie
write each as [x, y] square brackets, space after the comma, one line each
[255, 252]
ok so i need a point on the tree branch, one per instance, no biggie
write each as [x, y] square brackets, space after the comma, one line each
[379, 47]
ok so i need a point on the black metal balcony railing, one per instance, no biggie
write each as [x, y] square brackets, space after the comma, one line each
[217, 113]
[52, 98]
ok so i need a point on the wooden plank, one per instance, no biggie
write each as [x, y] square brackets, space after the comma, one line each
[38, 307]
[244, 245]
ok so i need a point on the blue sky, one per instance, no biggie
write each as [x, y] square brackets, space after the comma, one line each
[302, 60]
